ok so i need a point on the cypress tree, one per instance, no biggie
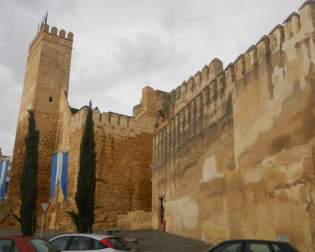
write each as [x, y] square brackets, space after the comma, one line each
[28, 186]
[85, 193]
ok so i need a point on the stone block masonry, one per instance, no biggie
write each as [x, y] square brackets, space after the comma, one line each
[235, 159]
[122, 164]
[46, 77]
[123, 143]
[227, 154]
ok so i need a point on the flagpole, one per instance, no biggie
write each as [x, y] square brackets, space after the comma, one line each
[57, 207]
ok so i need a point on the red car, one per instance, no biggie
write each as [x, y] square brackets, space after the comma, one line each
[25, 244]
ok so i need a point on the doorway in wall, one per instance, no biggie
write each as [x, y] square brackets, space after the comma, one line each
[161, 210]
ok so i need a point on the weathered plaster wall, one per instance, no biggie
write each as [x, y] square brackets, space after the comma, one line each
[135, 220]
[237, 161]
[233, 156]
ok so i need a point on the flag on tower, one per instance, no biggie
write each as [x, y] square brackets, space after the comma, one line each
[46, 17]
[4, 165]
[59, 173]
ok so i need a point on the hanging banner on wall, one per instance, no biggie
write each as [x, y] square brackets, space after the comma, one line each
[4, 165]
[59, 174]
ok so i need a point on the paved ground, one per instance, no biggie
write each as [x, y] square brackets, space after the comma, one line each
[156, 241]
[149, 241]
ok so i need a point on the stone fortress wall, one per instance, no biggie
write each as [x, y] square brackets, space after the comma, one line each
[235, 159]
[232, 149]
[47, 73]
[123, 163]
[123, 143]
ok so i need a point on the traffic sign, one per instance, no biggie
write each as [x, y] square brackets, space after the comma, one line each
[44, 206]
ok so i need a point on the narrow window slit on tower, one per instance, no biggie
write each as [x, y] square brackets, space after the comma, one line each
[50, 99]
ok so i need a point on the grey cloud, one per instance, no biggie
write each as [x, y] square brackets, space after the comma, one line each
[121, 46]
[145, 55]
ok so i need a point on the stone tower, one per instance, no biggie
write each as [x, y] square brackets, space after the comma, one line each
[46, 79]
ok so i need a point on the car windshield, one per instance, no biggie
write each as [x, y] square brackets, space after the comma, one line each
[43, 246]
[118, 243]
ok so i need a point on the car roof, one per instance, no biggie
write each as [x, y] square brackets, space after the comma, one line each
[12, 235]
[6, 236]
[254, 240]
[94, 236]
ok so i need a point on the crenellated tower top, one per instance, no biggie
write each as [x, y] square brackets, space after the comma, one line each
[53, 35]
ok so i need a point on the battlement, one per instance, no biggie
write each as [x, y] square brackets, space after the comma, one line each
[110, 122]
[141, 122]
[190, 88]
[52, 34]
[205, 98]
[209, 105]
[293, 27]
[105, 118]
[114, 119]
[294, 24]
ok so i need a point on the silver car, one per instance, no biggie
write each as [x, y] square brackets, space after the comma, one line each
[90, 242]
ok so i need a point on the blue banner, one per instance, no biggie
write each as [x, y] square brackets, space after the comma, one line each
[53, 178]
[64, 175]
[59, 174]
[4, 165]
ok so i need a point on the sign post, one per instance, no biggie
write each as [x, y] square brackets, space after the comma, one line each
[57, 207]
[45, 206]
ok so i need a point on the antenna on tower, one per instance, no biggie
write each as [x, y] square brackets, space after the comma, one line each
[43, 21]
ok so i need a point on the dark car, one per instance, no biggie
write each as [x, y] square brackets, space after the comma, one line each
[25, 244]
[252, 246]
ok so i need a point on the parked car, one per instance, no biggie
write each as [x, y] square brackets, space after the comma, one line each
[86, 242]
[252, 246]
[15, 243]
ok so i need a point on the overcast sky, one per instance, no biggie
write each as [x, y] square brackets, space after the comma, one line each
[121, 46]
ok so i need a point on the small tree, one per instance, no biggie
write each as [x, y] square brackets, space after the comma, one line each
[28, 186]
[84, 197]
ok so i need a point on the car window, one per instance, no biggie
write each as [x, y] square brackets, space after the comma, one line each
[118, 243]
[61, 242]
[43, 246]
[235, 247]
[97, 245]
[259, 247]
[6, 246]
[285, 247]
[80, 243]
[276, 248]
